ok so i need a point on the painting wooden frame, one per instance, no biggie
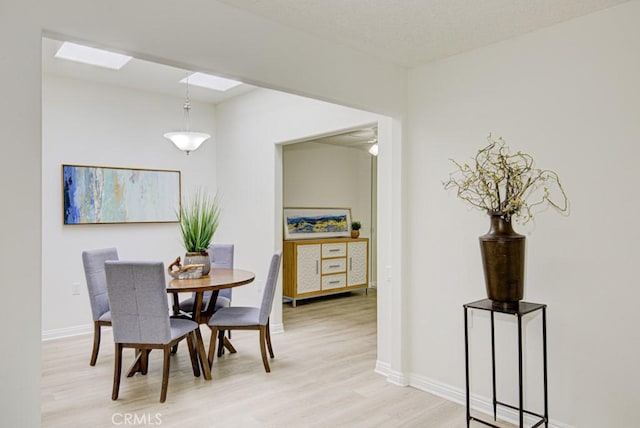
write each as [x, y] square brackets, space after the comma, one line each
[315, 223]
[113, 195]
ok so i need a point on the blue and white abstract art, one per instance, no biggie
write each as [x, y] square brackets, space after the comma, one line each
[98, 195]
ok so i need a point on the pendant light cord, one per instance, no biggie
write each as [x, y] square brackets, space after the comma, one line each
[187, 106]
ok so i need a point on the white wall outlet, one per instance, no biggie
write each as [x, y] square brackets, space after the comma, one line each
[75, 288]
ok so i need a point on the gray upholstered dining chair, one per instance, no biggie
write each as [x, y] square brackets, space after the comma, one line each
[93, 262]
[140, 318]
[221, 256]
[249, 318]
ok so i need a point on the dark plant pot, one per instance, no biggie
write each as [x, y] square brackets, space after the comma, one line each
[503, 261]
[355, 233]
[197, 258]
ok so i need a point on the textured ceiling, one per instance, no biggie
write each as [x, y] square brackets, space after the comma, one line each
[413, 32]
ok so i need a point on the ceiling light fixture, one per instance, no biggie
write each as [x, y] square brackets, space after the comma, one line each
[87, 55]
[187, 140]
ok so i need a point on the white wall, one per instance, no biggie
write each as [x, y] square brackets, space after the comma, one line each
[20, 152]
[91, 124]
[251, 127]
[323, 175]
[569, 95]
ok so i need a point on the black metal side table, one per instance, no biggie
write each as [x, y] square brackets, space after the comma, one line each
[521, 309]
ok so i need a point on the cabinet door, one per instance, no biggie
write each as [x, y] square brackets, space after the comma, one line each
[357, 263]
[308, 268]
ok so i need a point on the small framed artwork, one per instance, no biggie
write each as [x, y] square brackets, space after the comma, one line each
[314, 223]
[103, 195]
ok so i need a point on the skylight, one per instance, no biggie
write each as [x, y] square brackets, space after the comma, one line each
[93, 56]
[211, 82]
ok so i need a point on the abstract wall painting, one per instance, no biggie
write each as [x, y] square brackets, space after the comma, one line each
[314, 223]
[103, 195]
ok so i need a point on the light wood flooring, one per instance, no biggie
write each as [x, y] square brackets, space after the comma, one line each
[322, 376]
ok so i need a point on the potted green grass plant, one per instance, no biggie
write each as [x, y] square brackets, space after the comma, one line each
[199, 218]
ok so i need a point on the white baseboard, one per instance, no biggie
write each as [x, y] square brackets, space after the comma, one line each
[457, 395]
[276, 328]
[382, 368]
[393, 376]
[478, 402]
[440, 389]
[59, 333]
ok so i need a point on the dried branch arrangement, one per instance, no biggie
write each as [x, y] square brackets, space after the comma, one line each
[506, 184]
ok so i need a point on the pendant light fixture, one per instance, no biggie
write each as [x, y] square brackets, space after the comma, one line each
[187, 140]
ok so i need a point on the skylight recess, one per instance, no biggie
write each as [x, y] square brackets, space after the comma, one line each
[98, 57]
[211, 82]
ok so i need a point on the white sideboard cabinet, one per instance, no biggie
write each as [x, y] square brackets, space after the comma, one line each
[324, 266]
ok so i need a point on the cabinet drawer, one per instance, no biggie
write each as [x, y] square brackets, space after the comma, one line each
[334, 281]
[334, 265]
[338, 249]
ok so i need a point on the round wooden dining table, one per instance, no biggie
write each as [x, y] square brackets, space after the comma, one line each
[216, 280]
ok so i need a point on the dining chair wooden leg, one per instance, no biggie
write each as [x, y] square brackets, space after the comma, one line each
[221, 342]
[117, 370]
[144, 361]
[176, 312]
[96, 343]
[136, 366]
[268, 337]
[229, 345]
[212, 344]
[165, 373]
[263, 348]
[193, 354]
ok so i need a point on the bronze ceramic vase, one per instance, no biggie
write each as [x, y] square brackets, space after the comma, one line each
[503, 261]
